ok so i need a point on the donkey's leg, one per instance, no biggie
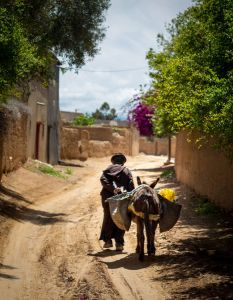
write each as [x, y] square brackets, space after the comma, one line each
[152, 242]
[140, 238]
[137, 221]
[149, 236]
[149, 233]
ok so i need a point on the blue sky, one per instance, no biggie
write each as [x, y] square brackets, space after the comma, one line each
[132, 28]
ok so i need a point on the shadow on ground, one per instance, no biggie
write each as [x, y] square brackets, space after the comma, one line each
[70, 164]
[155, 170]
[198, 274]
[11, 207]
[22, 213]
[129, 262]
[195, 259]
[197, 256]
[7, 276]
[12, 194]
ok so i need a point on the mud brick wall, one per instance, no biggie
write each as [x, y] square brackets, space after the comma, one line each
[204, 169]
[13, 139]
[157, 146]
[99, 141]
[99, 148]
[69, 147]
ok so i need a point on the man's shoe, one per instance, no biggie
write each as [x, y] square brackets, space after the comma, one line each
[107, 244]
[119, 247]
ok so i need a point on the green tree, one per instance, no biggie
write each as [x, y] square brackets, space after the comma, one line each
[193, 72]
[105, 112]
[18, 57]
[32, 31]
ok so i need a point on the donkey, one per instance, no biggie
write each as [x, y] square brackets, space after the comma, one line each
[145, 210]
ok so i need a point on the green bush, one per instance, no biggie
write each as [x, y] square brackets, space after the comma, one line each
[204, 207]
[84, 120]
[168, 173]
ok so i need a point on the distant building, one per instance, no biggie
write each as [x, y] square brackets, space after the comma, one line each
[68, 116]
[44, 119]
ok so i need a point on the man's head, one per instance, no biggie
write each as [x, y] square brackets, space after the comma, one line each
[118, 158]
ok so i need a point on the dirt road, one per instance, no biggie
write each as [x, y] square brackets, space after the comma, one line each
[57, 254]
[52, 250]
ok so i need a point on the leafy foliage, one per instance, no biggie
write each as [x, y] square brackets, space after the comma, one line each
[32, 31]
[193, 72]
[17, 56]
[84, 120]
[105, 112]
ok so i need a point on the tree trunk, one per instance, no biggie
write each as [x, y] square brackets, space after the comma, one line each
[169, 148]
[169, 151]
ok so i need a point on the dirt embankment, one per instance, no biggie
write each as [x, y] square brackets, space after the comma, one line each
[50, 247]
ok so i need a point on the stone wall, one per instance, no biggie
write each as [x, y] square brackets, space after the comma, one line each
[157, 146]
[82, 142]
[204, 169]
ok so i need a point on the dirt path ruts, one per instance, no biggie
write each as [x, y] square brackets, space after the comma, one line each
[60, 257]
[49, 249]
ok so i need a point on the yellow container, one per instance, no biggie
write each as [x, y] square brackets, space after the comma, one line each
[169, 194]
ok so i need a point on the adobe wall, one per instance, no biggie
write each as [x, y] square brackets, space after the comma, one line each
[204, 169]
[134, 141]
[13, 139]
[25, 124]
[100, 148]
[97, 141]
[69, 147]
[157, 146]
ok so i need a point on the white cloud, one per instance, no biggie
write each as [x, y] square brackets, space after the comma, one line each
[133, 27]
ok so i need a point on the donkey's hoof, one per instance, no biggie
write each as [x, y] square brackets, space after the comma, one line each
[151, 251]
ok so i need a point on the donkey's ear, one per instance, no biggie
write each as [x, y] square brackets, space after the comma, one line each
[139, 180]
[153, 184]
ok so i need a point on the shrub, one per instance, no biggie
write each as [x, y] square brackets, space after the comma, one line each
[84, 120]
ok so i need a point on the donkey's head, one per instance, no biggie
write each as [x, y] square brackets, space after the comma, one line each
[145, 198]
[152, 185]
